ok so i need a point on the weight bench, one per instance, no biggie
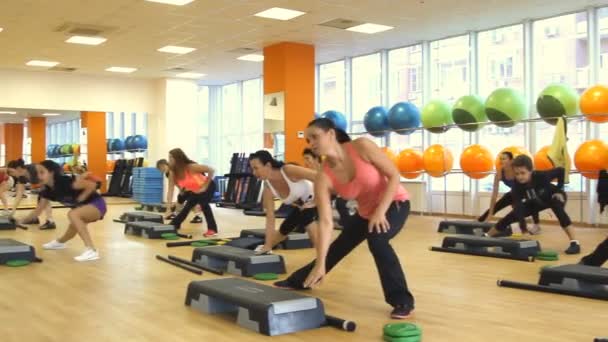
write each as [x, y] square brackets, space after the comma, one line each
[139, 216]
[573, 280]
[149, 230]
[14, 250]
[261, 308]
[464, 227]
[238, 261]
[524, 250]
[292, 241]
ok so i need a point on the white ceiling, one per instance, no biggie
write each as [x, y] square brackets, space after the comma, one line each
[215, 27]
[24, 113]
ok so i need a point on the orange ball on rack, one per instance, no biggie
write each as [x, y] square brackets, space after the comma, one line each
[591, 157]
[438, 160]
[541, 160]
[410, 163]
[390, 154]
[594, 103]
[476, 161]
[515, 150]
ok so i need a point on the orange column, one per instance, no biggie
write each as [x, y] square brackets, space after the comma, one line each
[37, 132]
[95, 123]
[290, 68]
[13, 139]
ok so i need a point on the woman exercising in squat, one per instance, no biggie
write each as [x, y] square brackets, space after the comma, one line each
[197, 181]
[506, 175]
[163, 166]
[532, 193]
[77, 192]
[357, 170]
[293, 185]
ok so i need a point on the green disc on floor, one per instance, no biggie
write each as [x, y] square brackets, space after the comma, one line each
[547, 253]
[170, 236]
[546, 258]
[402, 330]
[17, 263]
[199, 244]
[266, 276]
[417, 338]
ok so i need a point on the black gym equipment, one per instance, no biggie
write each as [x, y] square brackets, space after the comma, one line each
[14, 250]
[195, 265]
[149, 230]
[524, 250]
[259, 307]
[464, 227]
[180, 265]
[292, 241]
[238, 261]
[282, 212]
[140, 216]
[572, 280]
[249, 242]
[120, 181]
[243, 188]
[7, 223]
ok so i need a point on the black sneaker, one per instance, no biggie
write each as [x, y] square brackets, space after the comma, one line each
[401, 312]
[48, 225]
[33, 221]
[197, 219]
[574, 248]
[286, 285]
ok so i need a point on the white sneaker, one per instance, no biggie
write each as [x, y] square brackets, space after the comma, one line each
[535, 230]
[54, 245]
[88, 255]
[259, 250]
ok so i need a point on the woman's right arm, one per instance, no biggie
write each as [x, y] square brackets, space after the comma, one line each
[36, 212]
[268, 203]
[170, 192]
[20, 190]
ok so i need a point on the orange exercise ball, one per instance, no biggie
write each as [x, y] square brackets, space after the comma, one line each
[110, 165]
[591, 157]
[476, 161]
[390, 154]
[437, 160]
[515, 150]
[66, 167]
[541, 160]
[594, 104]
[410, 163]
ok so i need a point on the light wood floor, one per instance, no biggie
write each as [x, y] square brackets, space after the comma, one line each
[130, 296]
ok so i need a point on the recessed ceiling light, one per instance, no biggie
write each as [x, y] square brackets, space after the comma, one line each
[51, 114]
[47, 64]
[25, 120]
[279, 13]
[370, 28]
[125, 70]
[182, 50]
[1, 29]
[194, 75]
[86, 40]
[172, 2]
[10, 113]
[252, 58]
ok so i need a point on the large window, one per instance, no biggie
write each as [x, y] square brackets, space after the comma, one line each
[450, 68]
[230, 122]
[603, 48]
[366, 88]
[405, 75]
[253, 117]
[331, 87]
[202, 145]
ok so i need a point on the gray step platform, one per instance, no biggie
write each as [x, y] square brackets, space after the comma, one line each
[464, 227]
[140, 216]
[293, 240]
[574, 280]
[238, 261]
[524, 250]
[147, 229]
[14, 250]
[7, 224]
[260, 308]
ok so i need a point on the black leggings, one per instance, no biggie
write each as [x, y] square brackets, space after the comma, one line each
[505, 201]
[192, 199]
[297, 220]
[391, 273]
[532, 207]
[599, 255]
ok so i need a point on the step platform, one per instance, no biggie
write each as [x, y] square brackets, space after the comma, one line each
[149, 230]
[238, 261]
[573, 280]
[293, 240]
[524, 250]
[464, 227]
[161, 208]
[261, 308]
[14, 250]
[248, 242]
[7, 224]
[140, 216]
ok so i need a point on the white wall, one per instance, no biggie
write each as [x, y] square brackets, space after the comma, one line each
[62, 91]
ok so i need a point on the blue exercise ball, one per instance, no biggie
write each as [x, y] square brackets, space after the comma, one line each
[109, 144]
[117, 145]
[50, 150]
[404, 118]
[139, 142]
[376, 121]
[57, 151]
[337, 117]
[317, 115]
[129, 142]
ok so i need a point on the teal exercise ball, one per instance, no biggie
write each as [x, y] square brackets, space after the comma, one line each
[337, 117]
[555, 101]
[436, 116]
[376, 121]
[469, 113]
[506, 106]
[404, 118]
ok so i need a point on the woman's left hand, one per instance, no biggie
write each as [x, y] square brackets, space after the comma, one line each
[315, 276]
[378, 223]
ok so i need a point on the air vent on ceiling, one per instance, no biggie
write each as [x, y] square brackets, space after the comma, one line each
[76, 29]
[243, 50]
[62, 69]
[341, 23]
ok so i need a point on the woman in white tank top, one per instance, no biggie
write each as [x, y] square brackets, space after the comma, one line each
[293, 185]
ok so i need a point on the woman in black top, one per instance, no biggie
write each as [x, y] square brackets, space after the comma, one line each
[24, 174]
[81, 195]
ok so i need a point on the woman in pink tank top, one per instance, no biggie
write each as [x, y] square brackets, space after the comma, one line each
[198, 185]
[357, 170]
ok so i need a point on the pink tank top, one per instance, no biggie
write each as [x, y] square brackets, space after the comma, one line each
[367, 186]
[192, 181]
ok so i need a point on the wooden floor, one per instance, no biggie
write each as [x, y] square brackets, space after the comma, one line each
[129, 296]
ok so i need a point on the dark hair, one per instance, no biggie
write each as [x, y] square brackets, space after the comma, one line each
[53, 167]
[523, 160]
[265, 157]
[508, 154]
[309, 152]
[326, 125]
[13, 164]
[161, 162]
[181, 162]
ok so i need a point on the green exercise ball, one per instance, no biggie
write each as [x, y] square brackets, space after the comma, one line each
[436, 116]
[506, 106]
[555, 101]
[469, 113]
